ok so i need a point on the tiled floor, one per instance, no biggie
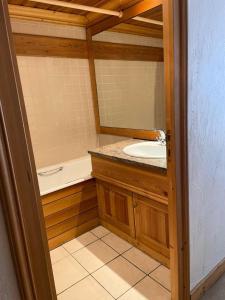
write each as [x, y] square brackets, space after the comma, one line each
[99, 265]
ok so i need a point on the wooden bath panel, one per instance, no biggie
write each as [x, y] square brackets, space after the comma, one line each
[70, 212]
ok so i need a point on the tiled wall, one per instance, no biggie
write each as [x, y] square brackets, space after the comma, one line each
[58, 99]
[58, 96]
[131, 94]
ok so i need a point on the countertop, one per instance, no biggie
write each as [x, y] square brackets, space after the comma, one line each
[115, 152]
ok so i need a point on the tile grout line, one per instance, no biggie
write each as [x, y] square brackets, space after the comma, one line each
[157, 280]
[116, 250]
[82, 247]
[102, 286]
[133, 286]
[101, 236]
[98, 238]
[154, 269]
[121, 254]
[105, 264]
[147, 274]
[159, 283]
[72, 285]
[89, 274]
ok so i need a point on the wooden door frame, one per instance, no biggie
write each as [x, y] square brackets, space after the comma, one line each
[19, 192]
[23, 214]
[176, 61]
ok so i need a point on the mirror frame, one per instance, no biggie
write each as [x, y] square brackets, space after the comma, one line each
[128, 13]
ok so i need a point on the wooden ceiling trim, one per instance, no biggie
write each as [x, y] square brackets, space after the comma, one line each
[128, 13]
[138, 30]
[32, 13]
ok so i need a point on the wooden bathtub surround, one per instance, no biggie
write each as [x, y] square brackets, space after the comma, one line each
[70, 212]
[133, 203]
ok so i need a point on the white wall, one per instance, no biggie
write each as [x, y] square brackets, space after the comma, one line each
[8, 282]
[206, 115]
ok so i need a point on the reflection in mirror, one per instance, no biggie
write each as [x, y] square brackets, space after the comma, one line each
[130, 78]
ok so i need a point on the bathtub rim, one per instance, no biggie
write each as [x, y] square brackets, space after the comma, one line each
[67, 184]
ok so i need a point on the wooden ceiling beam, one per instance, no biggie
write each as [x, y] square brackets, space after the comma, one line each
[31, 13]
[128, 13]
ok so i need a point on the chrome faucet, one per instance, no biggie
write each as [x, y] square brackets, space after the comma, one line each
[162, 137]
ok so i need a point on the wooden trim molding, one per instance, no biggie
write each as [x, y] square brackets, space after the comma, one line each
[175, 59]
[208, 281]
[128, 132]
[19, 191]
[93, 80]
[38, 14]
[105, 50]
[38, 45]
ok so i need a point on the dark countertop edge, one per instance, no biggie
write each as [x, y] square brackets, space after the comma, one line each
[130, 162]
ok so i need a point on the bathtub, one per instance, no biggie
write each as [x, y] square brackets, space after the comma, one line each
[57, 177]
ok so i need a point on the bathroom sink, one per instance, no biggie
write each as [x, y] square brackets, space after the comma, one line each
[146, 150]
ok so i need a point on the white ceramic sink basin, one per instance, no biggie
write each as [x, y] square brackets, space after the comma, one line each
[146, 150]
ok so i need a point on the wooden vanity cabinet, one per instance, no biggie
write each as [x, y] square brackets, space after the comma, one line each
[116, 207]
[126, 207]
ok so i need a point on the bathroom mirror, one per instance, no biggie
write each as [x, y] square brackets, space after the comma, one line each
[129, 72]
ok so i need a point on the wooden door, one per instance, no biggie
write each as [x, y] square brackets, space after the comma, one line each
[116, 207]
[151, 224]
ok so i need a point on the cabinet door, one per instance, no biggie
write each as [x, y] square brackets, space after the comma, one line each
[151, 224]
[116, 207]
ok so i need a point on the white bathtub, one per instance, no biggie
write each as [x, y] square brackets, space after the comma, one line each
[57, 177]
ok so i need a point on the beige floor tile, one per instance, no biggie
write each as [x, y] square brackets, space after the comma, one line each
[116, 243]
[86, 289]
[95, 256]
[66, 272]
[100, 231]
[162, 275]
[141, 260]
[80, 242]
[58, 254]
[147, 289]
[118, 276]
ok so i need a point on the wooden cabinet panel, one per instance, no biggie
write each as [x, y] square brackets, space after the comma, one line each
[151, 224]
[116, 207]
[132, 178]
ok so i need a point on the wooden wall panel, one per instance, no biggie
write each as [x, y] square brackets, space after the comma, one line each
[44, 46]
[70, 212]
[105, 50]
[37, 45]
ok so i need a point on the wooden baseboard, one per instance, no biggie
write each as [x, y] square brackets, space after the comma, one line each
[208, 281]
